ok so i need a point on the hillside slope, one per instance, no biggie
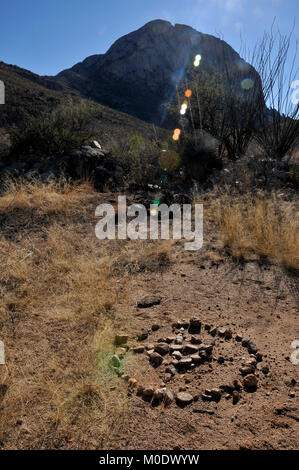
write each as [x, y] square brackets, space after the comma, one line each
[28, 94]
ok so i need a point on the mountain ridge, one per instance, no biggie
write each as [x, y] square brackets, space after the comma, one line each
[142, 69]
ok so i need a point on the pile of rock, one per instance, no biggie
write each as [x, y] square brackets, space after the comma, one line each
[183, 350]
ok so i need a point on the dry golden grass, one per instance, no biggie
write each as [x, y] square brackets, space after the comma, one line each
[59, 291]
[264, 225]
[34, 195]
[60, 294]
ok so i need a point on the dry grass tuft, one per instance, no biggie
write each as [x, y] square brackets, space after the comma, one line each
[33, 195]
[266, 226]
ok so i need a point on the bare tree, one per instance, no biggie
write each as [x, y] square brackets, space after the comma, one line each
[231, 104]
[277, 131]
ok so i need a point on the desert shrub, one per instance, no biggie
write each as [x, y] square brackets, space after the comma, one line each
[138, 157]
[199, 155]
[69, 126]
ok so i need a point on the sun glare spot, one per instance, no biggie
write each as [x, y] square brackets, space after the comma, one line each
[197, 60]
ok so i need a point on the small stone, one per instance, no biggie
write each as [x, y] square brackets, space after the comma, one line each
[252, 348]
[237, 384]
[292, 394]
[184, 398]
[177, 355]
[259, 357]
[221, 331]
[170, 369]
[236, 397]
[150, 346]
[162, 348]
[158, 395]
[207, 327]
[185, 362]
[227, 388]
[220, 360]
[170, 339]
[148, 392]
[155, 327]
[179, 339]
[228, 334]
[175, 347]
[195, 325]
[121, 339]
[168, 397]
[155, 359]
[245, 342]
[203, 355]
[247, 369]
[196, 359]
[216, 393]
[162, 340]
[206, 397]
[190, 349]
[182, 324]
[150, 352]
[138, 349]
[250, 381]
[208, 348]
[251, 362]
[195, 340]
[213, 331]
[142, 336]
[149, 301]
[238, 337]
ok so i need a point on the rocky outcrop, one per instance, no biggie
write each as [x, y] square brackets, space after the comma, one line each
[89, 161]
[140, 71]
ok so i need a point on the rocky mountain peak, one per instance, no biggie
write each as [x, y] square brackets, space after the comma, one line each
[140, 70]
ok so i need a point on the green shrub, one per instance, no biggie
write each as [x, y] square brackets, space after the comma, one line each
[199, 155]
[139, 159]
[69, 126]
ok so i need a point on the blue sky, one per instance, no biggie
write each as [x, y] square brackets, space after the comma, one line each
[47, 36]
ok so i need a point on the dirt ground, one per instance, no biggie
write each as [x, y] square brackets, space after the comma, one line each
[256, 300]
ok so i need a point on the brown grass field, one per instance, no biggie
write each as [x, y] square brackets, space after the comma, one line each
[63, 297]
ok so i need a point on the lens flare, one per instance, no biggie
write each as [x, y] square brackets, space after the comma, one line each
[197, 60]
[183, 108]
[188, 93]
[247, 84]
[176, 134]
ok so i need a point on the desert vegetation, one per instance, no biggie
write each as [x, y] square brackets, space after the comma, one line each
[65, 296]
